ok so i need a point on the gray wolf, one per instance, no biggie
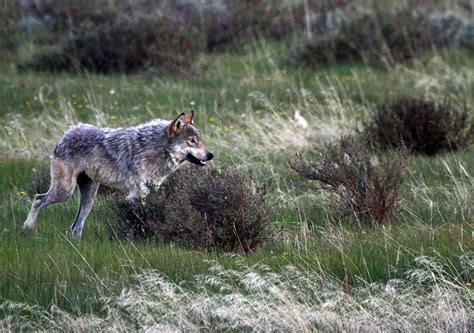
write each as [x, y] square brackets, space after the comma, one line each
[124, 158]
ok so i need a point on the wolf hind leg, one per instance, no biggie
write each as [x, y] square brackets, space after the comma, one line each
[62, 187]
[88, 189]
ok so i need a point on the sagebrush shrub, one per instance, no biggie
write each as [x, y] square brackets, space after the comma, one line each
[166, 44]
[215, 209]
[423, 126]
[382, 37]
[365, 179]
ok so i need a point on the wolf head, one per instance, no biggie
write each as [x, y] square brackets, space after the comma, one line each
[185, 141]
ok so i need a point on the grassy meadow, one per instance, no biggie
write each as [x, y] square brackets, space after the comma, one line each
[244, 108]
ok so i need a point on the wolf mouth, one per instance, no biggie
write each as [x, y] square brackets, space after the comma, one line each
[193, 159]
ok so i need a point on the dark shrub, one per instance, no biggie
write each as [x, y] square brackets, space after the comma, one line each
[365, 179]
[465, 36]
[422, 126]
[203, 208]
[51, 59]
[326, 49]
[126, 45]
[9, 16]
[443, 29]
[383, 37]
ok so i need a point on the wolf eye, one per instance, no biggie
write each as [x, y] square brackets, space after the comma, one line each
[191, 140]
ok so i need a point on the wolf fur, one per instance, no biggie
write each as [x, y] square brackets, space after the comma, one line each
[125, 159]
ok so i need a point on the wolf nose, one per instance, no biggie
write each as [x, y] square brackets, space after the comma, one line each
[210, 155]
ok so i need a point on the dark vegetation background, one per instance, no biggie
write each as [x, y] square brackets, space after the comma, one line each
[169, 35]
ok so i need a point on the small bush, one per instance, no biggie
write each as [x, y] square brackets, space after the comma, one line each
[365, 179]
[203, 208]
[421, 125]
[125, 45]
[383, 37]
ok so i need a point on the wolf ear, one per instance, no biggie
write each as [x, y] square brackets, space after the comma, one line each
[176, 125]
[188, 119]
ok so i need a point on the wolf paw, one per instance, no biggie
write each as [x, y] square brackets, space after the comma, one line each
[76, 234]
[27, 228]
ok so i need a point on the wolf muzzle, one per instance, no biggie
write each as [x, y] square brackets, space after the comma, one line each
[193, 159]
